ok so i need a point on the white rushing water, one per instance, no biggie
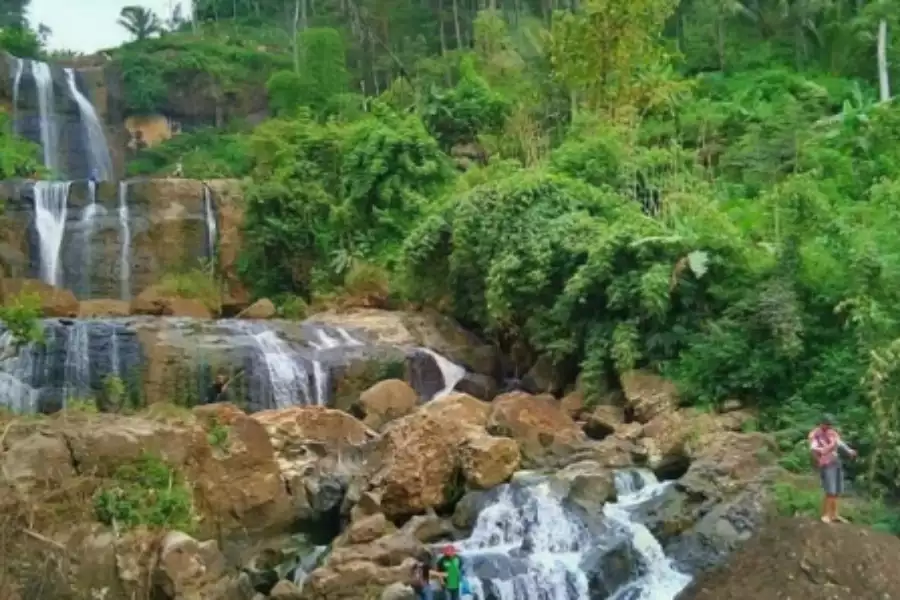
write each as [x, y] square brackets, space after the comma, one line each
[97, 148]
[15, 394]
[661, 581]
[211, 226]
[43, 80]
[451, 372]
[50, 207]
[19, 69]
[125, 240]
[287, 377]
[526, 545]
[78, 360]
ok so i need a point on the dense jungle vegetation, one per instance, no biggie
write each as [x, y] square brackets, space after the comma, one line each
[706, 188]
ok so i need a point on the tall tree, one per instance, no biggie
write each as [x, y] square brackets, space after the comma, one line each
[140, 22]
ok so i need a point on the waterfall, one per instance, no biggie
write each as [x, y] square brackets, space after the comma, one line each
[43, 81]
[125, 253]
[451, 372]
[288, 380]
[17, 81]
[97, 147]
[528, 544]
[660, 580]
[73, 362]
[50, 207]
[211, 227]
[88, 227]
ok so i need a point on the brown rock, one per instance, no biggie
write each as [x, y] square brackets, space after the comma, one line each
[483, 387]
[428, 329]
[40, 460]
[537, 423]
[186, 566]
[365, 530]
[152, 301]
[357, 580]
[235, 474]
[603, 421]
[261, 309]
[460, 409]
[91, 309]
[489, 461]
[300, 425]
[285, 590]
[573, 404]
[385, 401]
[587, 483]
[648, 395]
[419, 464]
[54, 301]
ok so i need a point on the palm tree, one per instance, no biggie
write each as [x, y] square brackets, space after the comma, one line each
[140, 22]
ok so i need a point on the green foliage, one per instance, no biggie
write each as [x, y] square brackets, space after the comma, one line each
[203, 154]
[213, 65]
[218, 435]
[20, 41]
[196, 284]
[458, 115]
[19, 158]
[146, 492]
[140, 22]
[21, 315]
[325, 195]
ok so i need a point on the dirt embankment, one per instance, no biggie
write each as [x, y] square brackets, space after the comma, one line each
[800, 559]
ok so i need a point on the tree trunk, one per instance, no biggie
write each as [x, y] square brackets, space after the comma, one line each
[884, 84]
[440, 8]
[294, 36]
[459, 42]
[304, 18]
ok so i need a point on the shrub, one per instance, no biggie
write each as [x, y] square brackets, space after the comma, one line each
[146, 492]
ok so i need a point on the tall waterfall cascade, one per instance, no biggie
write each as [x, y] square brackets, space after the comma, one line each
[50, 207]
[209, 215]
[125, 241]
[93, 142]
[95, 139]
[528, 544]
[43, 81]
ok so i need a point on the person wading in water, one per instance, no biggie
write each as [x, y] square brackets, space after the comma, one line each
[825, 443]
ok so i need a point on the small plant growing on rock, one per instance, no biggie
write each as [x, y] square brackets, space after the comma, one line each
[145, 492]
[218, 435]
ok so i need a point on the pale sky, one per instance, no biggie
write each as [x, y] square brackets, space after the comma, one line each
[77, 27]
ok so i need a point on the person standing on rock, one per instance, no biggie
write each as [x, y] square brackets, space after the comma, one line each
[449, 571]
[825, 443]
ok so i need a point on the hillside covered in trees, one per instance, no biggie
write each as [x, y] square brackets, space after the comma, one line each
[706, 188]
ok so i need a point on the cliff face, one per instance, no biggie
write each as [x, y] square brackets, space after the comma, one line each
[124, 237]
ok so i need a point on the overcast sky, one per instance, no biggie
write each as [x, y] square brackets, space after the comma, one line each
[77, 27]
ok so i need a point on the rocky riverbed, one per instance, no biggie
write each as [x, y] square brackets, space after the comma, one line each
[313, 502]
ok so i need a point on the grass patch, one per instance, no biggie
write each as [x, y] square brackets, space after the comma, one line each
[195, 284]
[146, 492]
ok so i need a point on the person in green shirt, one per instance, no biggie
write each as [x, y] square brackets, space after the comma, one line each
[449, 571]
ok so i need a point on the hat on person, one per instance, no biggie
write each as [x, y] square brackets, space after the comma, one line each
[449, 550]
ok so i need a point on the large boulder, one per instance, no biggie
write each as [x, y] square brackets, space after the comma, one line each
[53, 301]
[261, 309]
[322, 455]
[426, 329]
[648, 395]
[488, 461]
[103, 308]
[385, 401]
[156, 301]
[543, 431]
